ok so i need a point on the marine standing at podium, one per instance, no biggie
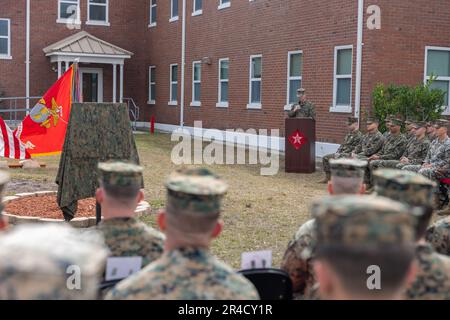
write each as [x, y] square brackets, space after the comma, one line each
[304, 108]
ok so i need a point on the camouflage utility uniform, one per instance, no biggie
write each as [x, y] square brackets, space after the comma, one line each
[128, 237]
[370, 144]
[185, 274]
[351, 142]
[438, 156]
[188, 272]
[306, 110]
[438, 235]
[433, 276]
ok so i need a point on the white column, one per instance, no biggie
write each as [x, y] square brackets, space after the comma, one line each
[114, 83]
[121, 83]
[59, 69]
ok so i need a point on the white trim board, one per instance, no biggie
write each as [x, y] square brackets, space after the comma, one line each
[322, 148]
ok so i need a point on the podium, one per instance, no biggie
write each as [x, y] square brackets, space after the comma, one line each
[300, 145]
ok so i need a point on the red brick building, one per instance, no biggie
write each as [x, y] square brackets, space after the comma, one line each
[243, 58]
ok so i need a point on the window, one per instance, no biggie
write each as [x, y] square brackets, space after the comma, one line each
[196, 83]
[294, 77]
[223, 83]
[173, 84]
[173, 10]
[5, 39]
[224, 4]
[438, 65]
[69, 11]
[152, 85]
[342, 88]
[197, 7]
[98, 12]
[152, 13]
[255, 82]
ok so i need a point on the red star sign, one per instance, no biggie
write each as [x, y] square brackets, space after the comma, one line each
[297, 139]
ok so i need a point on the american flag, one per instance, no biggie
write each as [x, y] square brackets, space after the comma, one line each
[10, 146]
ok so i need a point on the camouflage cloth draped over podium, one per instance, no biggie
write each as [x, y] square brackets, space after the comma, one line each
[96, 133]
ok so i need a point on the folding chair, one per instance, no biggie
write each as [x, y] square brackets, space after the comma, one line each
[272, 284]
[444, 187]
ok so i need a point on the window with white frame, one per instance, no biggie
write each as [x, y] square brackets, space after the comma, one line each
[152, 85]
[197, 7]
[294, 78]
[153, 7]
[438, 65]
[223, 82]
[342, 88]
[173, 10]
[196, 83]
[255, 81]
[68, 11]
[5, 39]
[224, 4]
[98, 12]
[173, 84]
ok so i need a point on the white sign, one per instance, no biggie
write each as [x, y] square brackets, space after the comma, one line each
[256, 260]
[121, 267]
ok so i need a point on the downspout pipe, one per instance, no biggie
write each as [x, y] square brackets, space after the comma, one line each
[27, 59]
[359, 48]
[183, 63]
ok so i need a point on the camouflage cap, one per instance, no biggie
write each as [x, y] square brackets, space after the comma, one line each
[409, 120]
[120, 174]
[352, 120]
[420, 124]
[408, 187]
[301, 90]
[362, 221]
[195, 191]
[347, 168]
[396, 122]
[35, 261]
[371, 120]
[441, 123]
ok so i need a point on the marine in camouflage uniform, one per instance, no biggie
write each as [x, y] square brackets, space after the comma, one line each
[351, 141]
[37, 262]
[410, 128]
[436, 163]
[298, 257]
[438, 235]
[187, 271]
[4, 179]
[359, 228]
[415, 153]
[433, 275]
[371, 143]
[431, 131]
[393, 149]
[125, 235]
[304, 108]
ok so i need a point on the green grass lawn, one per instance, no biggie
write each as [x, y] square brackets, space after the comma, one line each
[260, 212]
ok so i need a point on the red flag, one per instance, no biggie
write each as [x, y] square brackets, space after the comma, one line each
[44, 129]
[10, 146]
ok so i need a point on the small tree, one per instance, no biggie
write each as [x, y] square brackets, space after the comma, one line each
[418, 103]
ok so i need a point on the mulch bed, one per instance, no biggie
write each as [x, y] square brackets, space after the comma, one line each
[47, 207]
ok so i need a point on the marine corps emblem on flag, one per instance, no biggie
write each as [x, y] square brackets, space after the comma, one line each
[297, 139]
[44, 129]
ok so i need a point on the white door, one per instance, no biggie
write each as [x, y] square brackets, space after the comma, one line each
[91, 81]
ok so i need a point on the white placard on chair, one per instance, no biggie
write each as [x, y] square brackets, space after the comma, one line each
[122, 267]
[256, 260]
